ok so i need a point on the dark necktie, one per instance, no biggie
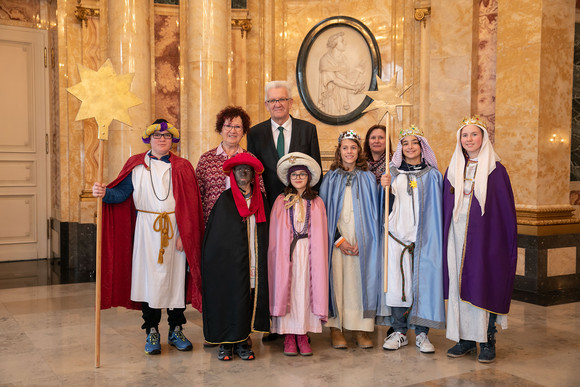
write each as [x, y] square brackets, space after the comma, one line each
[280, 143]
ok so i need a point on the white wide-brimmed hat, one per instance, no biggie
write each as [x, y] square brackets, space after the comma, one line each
[296, 159]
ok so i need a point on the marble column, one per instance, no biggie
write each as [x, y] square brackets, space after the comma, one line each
[533, 107]
[534, 102]
[452, 71]
[207, 42]
[129, 48]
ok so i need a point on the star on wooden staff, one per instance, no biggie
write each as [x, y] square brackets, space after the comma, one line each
[388, 97]
[106, 96]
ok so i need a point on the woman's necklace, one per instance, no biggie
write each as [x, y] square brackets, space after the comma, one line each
[472, 179]
[153, 185]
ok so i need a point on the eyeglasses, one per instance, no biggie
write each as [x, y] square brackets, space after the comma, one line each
[229, 128]
[299, 176]
[279, 100]
[158, 136]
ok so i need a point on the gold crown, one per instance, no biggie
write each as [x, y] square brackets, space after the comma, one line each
[411, 131]
[474, 120]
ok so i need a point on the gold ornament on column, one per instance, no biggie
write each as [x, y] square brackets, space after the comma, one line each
[83, 13]
[106, 96]
[387, 98]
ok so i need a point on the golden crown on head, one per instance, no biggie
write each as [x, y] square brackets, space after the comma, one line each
[411, 131]
[474, 120]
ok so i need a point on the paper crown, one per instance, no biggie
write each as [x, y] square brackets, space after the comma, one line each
[411, 131]
[349, 135]
[474, 120]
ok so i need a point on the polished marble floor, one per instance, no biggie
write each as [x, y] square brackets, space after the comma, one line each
[47, 338]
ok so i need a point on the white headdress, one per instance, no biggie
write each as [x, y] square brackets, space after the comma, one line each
[486, 160]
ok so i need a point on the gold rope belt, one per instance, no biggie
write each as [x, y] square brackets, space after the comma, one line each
[163, 225]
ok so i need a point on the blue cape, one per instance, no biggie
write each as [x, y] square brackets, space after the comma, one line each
[428, 307]
[366, 205]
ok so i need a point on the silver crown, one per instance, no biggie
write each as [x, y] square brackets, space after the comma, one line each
[349, 135]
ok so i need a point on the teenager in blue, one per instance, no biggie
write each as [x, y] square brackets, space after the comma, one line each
[415, 265]
[351, 196]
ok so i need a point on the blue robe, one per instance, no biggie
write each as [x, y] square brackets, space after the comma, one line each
[365, 195]
[428, 308]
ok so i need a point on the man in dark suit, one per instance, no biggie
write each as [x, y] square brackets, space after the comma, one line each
[281, 134]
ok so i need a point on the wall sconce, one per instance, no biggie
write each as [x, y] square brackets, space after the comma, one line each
[555, 139]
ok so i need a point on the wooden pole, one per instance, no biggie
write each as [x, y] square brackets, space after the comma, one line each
[101, 156]
[387, 199]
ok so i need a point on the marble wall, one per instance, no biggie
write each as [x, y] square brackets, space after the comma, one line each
[167, 56]
[465, 44]
[534, 89]
[486, 62]
[453, 72]
[277, 42]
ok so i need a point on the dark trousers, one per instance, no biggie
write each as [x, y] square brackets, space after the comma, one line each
[399, 321]
[152, 317]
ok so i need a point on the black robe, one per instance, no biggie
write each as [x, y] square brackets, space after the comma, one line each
[229, 312]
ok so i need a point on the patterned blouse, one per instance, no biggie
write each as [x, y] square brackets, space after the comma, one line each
[211, 178]
[377, 167]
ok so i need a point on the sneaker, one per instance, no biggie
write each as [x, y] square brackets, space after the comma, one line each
[395, 340]
[304, 345]
[178, 340]
[462, 348]
[290, 345]
[153, 344]
[425, 346]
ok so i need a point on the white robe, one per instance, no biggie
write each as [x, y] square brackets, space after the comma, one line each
[346, 276]
[403, 225]
[464, 321]
[160, 285]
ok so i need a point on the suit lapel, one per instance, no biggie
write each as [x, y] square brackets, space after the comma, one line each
[269, 141]
[294, 137]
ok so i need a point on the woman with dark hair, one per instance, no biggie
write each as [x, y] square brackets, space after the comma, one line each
[232, 123]
[375, 148]
[351, 196]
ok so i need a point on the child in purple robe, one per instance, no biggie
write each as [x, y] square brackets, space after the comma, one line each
[480, 242]
[298, 255]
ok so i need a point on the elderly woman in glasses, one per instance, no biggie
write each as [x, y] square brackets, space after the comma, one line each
[232, 123]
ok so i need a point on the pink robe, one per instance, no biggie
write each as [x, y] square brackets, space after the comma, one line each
[280, 266]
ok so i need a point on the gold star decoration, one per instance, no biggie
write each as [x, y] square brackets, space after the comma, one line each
[387, 97]
[413, 183]
[104, 95]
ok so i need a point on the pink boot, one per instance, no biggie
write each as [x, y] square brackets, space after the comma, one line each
[303, 345]
[290, 345]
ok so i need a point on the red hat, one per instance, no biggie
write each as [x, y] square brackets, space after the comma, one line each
[256, 204]
[243, 159]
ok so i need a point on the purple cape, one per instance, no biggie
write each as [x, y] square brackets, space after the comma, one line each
[490, 251]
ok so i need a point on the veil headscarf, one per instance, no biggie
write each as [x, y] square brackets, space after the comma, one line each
[427, 153]
[486, 160]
